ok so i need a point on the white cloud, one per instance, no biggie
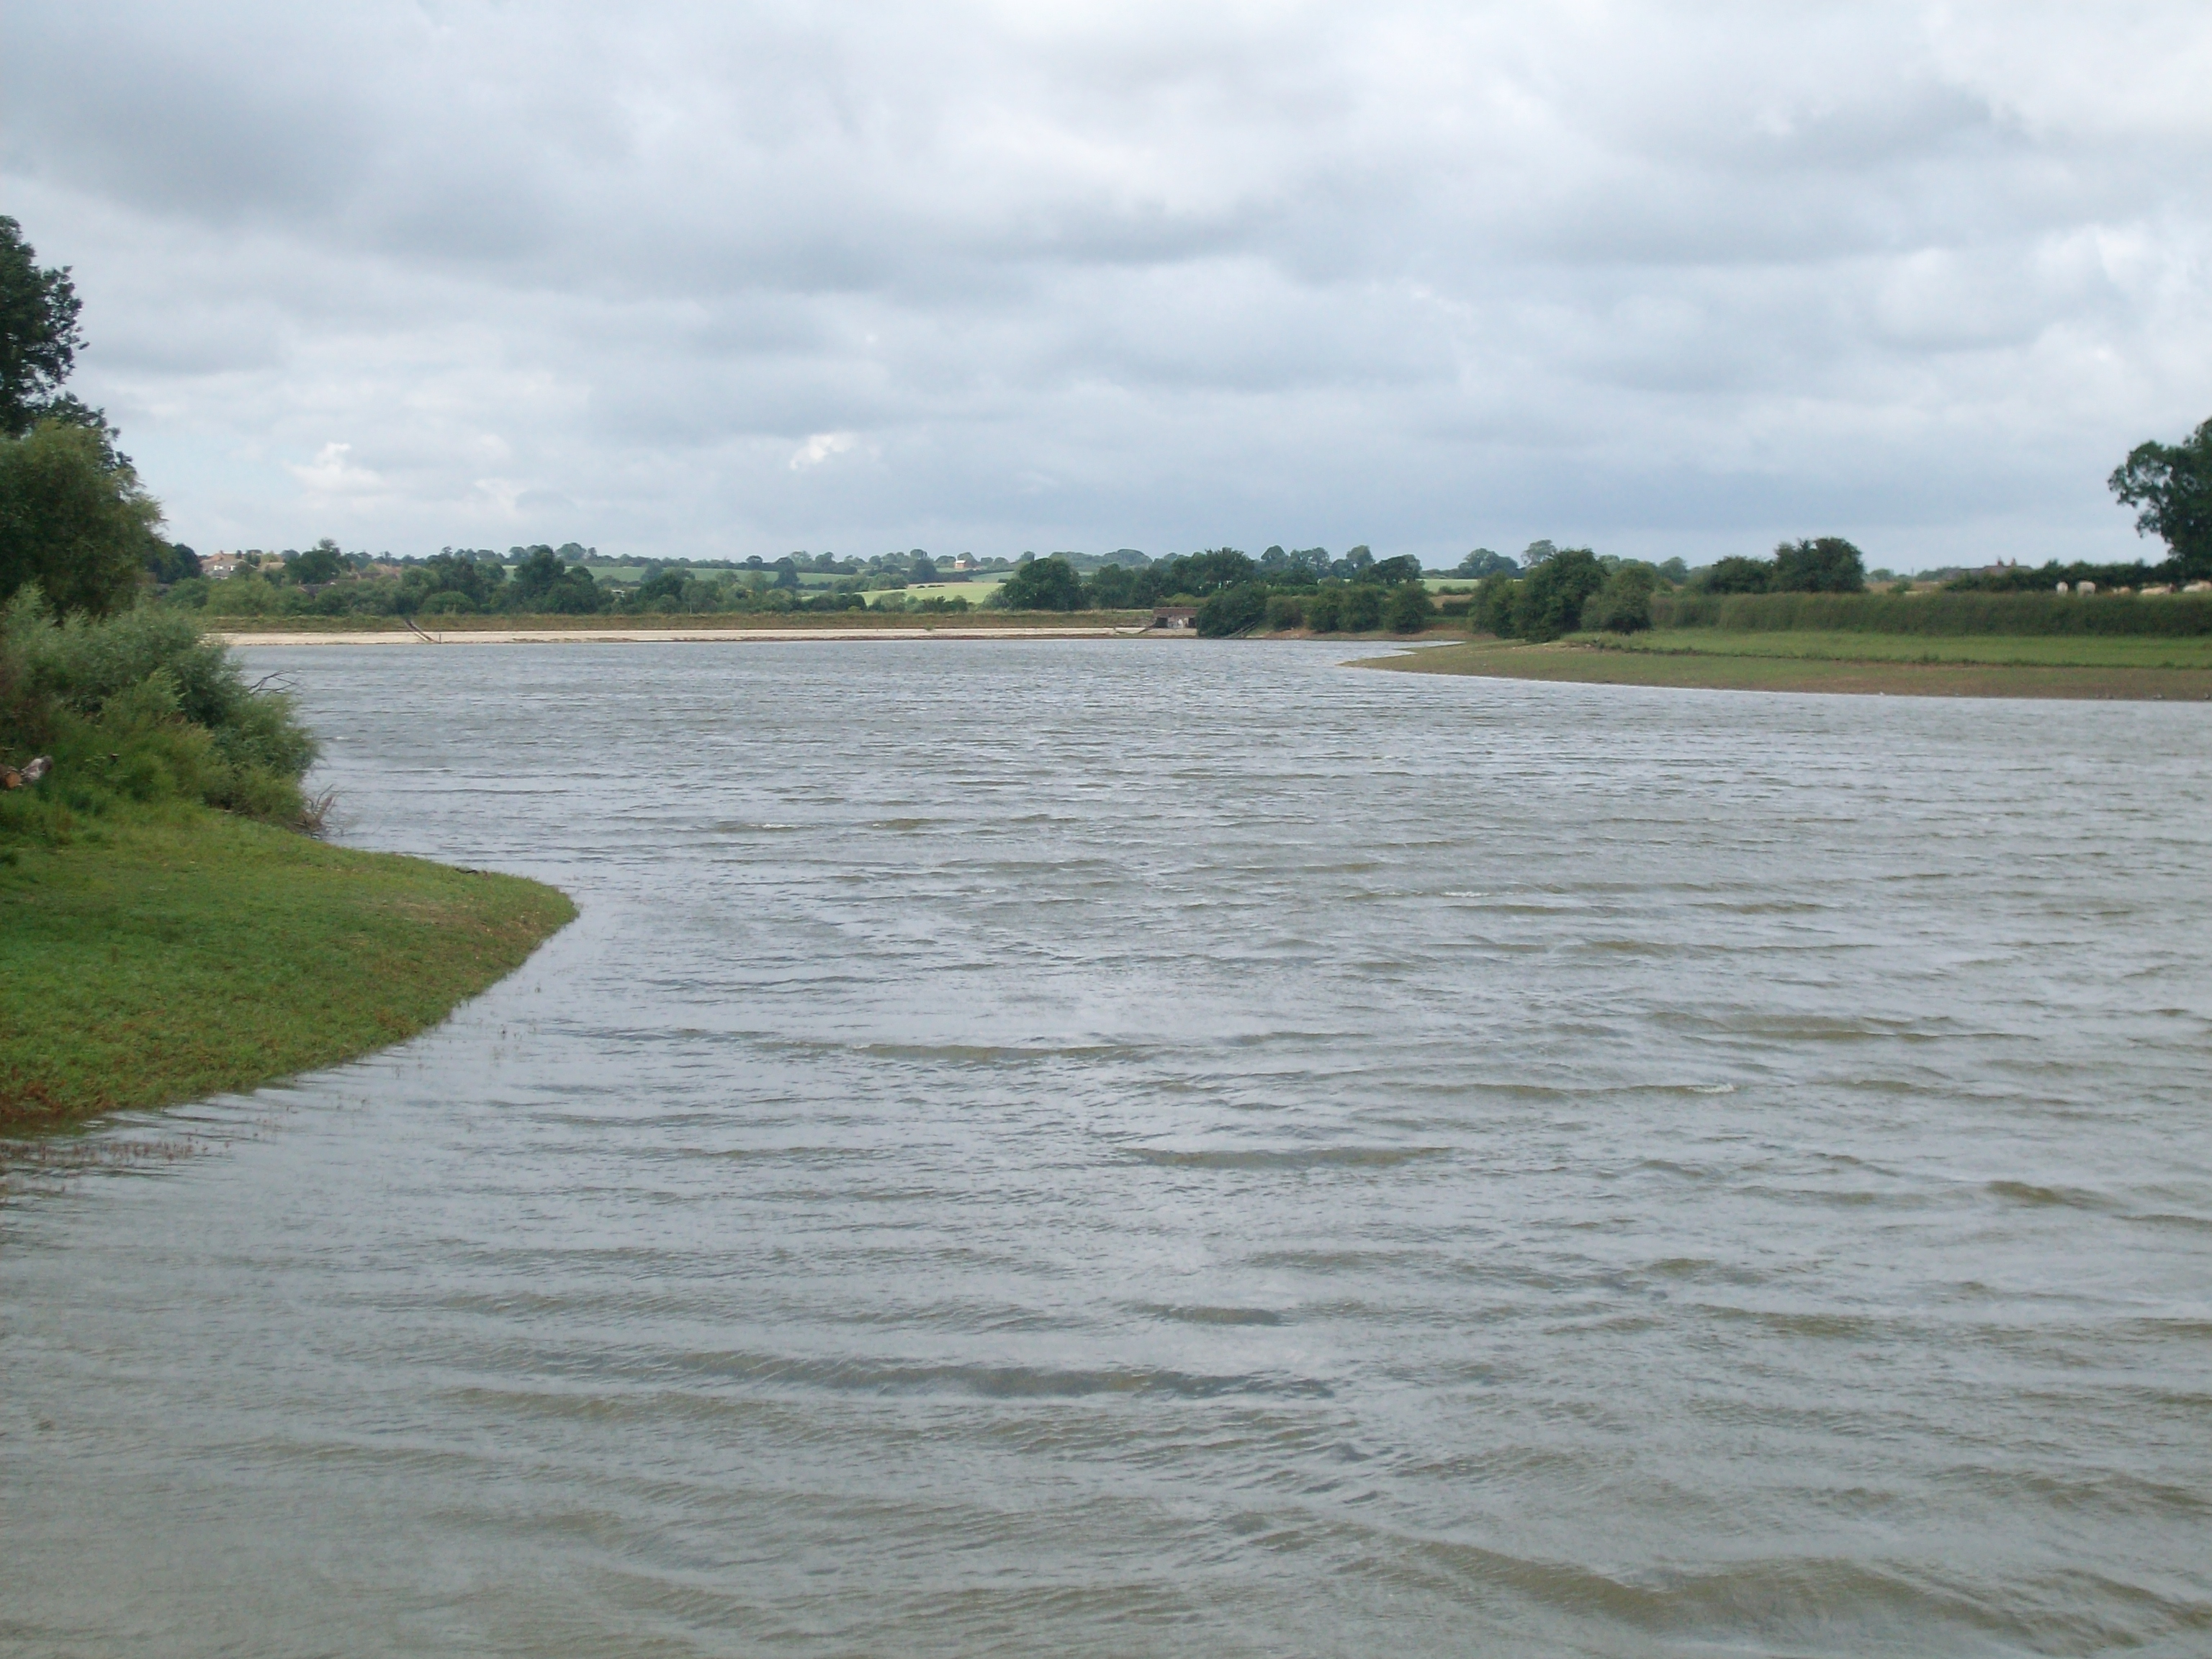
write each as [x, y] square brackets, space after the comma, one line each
[820, 447]
[1657, 277]
[331, 477]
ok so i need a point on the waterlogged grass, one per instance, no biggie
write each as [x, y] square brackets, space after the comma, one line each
[2074, 667]
[2040, 650]
[187, 952]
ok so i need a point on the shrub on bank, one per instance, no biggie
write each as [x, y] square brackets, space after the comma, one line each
[1359, 608]
[1232, 610]
[1623, 605]
[137, 708]
[1408, 610]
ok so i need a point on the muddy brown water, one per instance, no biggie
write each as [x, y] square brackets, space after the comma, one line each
[1093, 1147]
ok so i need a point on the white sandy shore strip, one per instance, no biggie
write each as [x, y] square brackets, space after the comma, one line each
[683, 635]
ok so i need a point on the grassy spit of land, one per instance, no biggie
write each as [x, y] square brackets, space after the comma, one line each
[1983, 666]
[166, 930]
[165, 955]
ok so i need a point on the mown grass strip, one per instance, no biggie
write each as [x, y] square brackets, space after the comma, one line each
[2036, 650]
[181, 955]
[1718, 669]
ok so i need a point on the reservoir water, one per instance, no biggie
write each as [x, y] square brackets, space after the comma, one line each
[1141, 1148]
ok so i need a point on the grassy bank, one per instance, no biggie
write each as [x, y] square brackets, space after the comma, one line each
[1989, 666]
[2034, 650]
[1943, 615]
[180, 951]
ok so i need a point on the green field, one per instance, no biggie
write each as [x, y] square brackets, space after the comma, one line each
[185, 952]
[975, 592]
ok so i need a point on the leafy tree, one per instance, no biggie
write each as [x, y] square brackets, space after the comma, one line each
[1535, 553]
[1737, 575]
[661, 590]
[38, 337]
[1207, 572]
[1408, 609]
[1484, 562]
[1325, 610]
[470, 582]
[1550, 599]
[1042, 585]
[1623, 605]
[1390, 572]
[171, 563]
[544, 584]
[1355, 564]
[73, 519]
[1234, 610]
[1827, 565]
[2171, 484]
[1285, 611]
[1359, 611]
[320, 564]
[923, 569]
[1111, 587]
[1492, 609]
[1675, 571]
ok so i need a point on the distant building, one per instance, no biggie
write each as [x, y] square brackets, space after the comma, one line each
[216, 566]
[1181, 616]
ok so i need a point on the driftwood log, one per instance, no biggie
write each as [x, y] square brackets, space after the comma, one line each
[12, 779]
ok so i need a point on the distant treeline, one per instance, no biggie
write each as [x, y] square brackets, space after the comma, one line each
[1235, 593]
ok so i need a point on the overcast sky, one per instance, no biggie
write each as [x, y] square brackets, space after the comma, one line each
[716, 279]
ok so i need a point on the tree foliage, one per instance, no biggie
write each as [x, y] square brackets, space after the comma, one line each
[1408, 609]
[1234, 610]
[138, 706]
[40, 336]
[1826, 564]
[1483, 562]
[73, 519]
[546, 585]
[320, 564]
[1550, 599]
[1043, 584]
[1623, 605]
[2172, 486]
[1738, 574]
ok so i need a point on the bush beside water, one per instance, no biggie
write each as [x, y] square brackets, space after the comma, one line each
[138, 709]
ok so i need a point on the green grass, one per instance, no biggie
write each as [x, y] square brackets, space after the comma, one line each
[1943, 615]
[183, 952]
[2038, 650]
[2072, 669]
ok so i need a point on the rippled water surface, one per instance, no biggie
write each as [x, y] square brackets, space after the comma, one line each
[1144, 1148]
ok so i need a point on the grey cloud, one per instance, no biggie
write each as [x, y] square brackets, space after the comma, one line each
[1106, 275]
